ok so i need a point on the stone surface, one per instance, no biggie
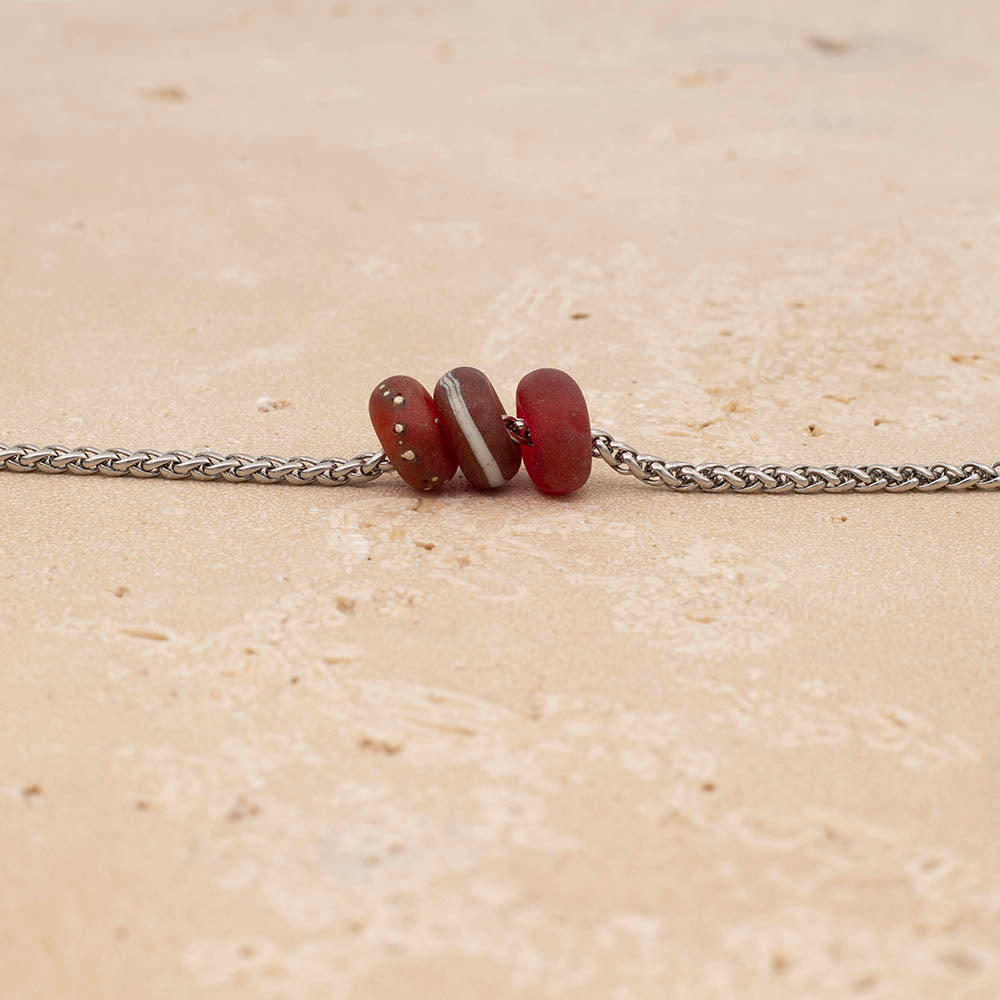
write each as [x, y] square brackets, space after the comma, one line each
[296, 743]
[408, 428]
[552, 405]
[472, 421]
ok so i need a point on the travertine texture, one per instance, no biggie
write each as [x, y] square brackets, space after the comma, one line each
[364, 744]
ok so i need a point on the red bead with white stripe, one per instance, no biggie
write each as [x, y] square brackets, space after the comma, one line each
[474, 430]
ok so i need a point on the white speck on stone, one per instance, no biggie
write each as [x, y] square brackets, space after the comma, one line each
[350, 546]
[409, 455]
[397, 400]
[398, 428]
[265, 404]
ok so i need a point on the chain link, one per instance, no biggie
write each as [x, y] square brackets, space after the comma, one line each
[204, 466]
[683, 477]
[680, 477]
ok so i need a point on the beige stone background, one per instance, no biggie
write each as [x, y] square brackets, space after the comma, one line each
[303, 743]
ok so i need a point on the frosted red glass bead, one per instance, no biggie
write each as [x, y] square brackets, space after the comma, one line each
[407, 425]
[474, 430]
[552, 406]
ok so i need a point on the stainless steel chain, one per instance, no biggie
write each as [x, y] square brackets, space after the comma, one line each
[205, 466]
[710, 477]
[680, 477]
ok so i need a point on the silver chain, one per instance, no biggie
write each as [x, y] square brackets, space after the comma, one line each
[683, 477]
[205, 466]
[680, 477]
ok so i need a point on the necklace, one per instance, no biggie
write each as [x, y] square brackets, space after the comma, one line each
[426, 438]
